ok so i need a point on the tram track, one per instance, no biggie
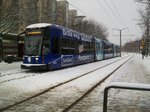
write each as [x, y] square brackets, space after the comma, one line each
[60, 84]
[6, 74]
[92, 89]
[30, 75]
[26, 74]
[17, 78]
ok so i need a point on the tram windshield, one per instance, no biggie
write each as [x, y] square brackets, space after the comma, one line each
[33, 43]
[37, 42]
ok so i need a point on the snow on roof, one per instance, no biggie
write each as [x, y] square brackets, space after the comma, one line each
[38, 25]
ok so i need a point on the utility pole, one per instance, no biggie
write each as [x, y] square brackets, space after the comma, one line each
[120, 30]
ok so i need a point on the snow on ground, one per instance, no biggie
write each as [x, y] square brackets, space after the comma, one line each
[17, 90]
[135, 71]
[56, 100]
[8, 68]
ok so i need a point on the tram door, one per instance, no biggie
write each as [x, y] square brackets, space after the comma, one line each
[20, 47]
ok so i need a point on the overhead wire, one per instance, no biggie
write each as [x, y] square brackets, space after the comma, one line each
[112, 11]
[88, 14]
[119, 15]
[117, 12]
[101, 5]
[106, 12]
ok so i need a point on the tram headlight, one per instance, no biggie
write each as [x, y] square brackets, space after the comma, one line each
[36, 59]
[29, 59]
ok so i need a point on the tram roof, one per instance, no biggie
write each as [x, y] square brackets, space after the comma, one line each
[39, 25]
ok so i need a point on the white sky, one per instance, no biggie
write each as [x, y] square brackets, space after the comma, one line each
[100, 11]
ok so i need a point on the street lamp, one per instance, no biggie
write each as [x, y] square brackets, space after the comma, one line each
[120, 30]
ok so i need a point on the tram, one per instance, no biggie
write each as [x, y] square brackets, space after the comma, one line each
[49, 46]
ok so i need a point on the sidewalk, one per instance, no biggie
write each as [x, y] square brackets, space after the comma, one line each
[136, 70]
[8, 66]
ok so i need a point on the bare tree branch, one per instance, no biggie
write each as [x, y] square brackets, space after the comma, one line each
[8, 26]
[12, 27]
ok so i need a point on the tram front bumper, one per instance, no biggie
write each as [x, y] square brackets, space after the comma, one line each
[34, 66]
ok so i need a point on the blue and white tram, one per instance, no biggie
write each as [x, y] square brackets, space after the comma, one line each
[48, 46]
[116, 50]
[99, 49]
[108, 49]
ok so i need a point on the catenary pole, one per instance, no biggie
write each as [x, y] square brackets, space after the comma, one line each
[120, 30]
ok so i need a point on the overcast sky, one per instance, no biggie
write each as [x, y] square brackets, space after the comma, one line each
[113, 14]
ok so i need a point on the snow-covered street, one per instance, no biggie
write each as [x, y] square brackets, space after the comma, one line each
[135, 70]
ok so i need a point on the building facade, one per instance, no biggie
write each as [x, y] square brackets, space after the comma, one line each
[72, 18]
[38, 11]
[21, 13]
[15, 16]
[62, 13]
[9, 11]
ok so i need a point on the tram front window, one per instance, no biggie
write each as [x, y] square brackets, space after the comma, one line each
[33, 44]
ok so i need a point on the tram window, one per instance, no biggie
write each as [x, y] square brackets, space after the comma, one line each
[66, 51]
[87, 47]
[46, 46]
[65, 42]
[92, 47]
[55, 49]
[47, 32]
[69, 46]
[73, 43]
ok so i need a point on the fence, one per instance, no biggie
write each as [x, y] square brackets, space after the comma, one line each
[120, 85]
